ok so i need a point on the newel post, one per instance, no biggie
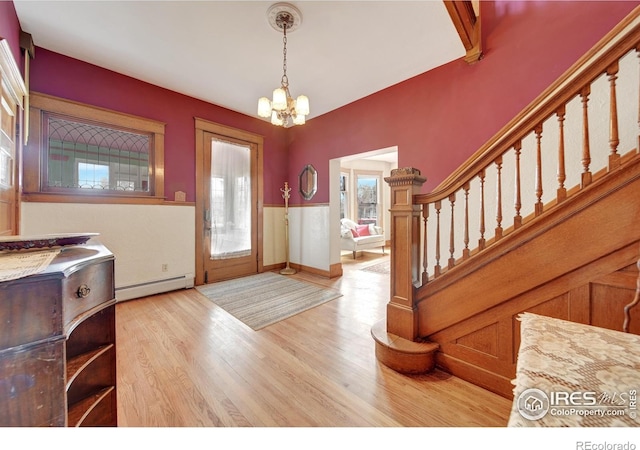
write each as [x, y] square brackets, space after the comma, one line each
[402, 318]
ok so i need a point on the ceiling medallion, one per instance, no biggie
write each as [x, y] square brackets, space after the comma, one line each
[280, 13]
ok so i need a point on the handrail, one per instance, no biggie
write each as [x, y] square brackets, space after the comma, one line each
[453, 194]
[619, 41]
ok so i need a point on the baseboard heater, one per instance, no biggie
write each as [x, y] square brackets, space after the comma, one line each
[154, 287]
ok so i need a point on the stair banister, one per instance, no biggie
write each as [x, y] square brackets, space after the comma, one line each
[411, 224]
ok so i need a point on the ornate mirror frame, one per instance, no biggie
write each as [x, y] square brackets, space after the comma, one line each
[308, 182]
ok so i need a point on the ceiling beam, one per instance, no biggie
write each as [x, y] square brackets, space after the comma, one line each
[467, 23]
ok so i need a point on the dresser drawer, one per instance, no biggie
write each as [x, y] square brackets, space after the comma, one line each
[85, 289]
[30, 310]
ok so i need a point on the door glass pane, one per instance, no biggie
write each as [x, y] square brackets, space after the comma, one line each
[230, 200]
[367, 190]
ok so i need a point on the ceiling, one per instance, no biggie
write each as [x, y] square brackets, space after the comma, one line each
[227, 53]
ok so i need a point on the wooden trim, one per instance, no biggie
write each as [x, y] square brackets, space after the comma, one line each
[33, 170]
[14, 91]
[476, 375]
[158, 165]
[467, 25]
[11, 74]
[26, 43]
[306, 205]
[32, 160]
[173, 203]
[313, 270]
[335, 270]
[274, 267]
[45, 197]
[72, 108]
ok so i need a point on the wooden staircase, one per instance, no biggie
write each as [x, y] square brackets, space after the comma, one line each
[568, 252]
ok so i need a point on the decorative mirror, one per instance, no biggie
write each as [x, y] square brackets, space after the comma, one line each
[308, 182]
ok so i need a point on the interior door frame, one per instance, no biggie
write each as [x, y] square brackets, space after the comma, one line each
[14, 90]
[203, 126]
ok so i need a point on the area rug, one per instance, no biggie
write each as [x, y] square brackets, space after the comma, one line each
[266, 298]
[383, 267]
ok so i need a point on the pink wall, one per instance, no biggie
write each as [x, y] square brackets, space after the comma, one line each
[438, 119]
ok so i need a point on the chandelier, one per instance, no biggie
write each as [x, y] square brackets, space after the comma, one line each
[282, 108]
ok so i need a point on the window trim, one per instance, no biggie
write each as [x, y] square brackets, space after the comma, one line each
[32, 186]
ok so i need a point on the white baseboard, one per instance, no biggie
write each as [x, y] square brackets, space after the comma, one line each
[154, 287]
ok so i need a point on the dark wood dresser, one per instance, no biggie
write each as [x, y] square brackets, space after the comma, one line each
[57, 343]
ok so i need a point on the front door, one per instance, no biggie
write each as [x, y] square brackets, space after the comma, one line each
[230, 226]
[229, 202]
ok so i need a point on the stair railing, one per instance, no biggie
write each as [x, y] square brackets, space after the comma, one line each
[569, 137]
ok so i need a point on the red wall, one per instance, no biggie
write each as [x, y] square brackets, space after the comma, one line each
[436, 123]
[10, 29]
[438, 119]
[55, 74]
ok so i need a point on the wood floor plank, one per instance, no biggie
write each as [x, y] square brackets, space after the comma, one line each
[185, 362]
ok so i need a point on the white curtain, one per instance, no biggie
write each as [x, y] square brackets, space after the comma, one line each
[230, 200]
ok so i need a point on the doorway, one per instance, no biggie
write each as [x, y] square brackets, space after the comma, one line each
[343, 173]
[228, 203]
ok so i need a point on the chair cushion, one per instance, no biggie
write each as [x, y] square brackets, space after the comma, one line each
[349, 229]
[363, 230]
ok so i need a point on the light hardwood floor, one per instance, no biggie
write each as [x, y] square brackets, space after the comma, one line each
[184, 362]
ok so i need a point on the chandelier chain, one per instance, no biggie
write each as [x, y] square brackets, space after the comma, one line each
[285, 79]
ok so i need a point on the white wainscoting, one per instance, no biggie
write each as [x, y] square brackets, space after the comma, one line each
[143, 238]
[309, 237]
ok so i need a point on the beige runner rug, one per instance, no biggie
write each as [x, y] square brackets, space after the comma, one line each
[383, 267]
[266, 298]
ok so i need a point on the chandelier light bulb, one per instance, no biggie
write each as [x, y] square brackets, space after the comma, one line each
[276, 119]
[264, 107]
[302, 105]
[298, 119]
[279, 102]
